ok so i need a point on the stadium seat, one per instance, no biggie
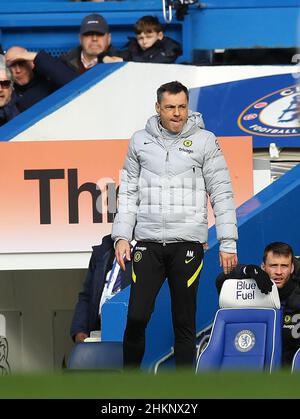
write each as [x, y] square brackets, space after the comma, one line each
[2, 326]
[4, 365]
[296, 361]
[96, 356]
[246, 332]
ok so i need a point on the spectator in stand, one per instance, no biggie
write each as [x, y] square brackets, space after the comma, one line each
[8, 109]
[279, 266]
[97, 288]
[95, 44]
[150, 44]
[35, 75]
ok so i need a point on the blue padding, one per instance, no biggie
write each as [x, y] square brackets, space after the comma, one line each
[113, 318]
[255, 358]
[96, 355]
[225, 351]
[258, 329]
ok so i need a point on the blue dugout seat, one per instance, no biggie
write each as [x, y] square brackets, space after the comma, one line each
[246, 333]
[296, 361]
[96, 356]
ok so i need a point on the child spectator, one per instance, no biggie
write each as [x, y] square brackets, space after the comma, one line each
[150, 44]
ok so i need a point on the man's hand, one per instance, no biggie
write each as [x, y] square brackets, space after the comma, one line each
[261, 277]
[205, 246]
[80, 336]
[228, 261]
[122, 249]
[107, 59]
[22, 55]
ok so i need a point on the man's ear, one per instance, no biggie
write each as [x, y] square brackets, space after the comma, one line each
[263, 266]
[157, 107]
[160, 35]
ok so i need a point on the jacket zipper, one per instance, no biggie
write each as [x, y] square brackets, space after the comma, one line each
[164, 221]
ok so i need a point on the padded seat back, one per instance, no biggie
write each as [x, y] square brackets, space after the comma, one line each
[296, 361]
[96, 355]
[244, 293]
[246, 332]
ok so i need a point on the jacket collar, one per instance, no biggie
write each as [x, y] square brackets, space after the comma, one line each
[287, 290]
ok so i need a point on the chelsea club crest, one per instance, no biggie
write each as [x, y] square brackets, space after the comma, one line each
[276, 114]
[244, 341]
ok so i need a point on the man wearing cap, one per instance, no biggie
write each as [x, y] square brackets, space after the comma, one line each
[35, 75]
[95, 44]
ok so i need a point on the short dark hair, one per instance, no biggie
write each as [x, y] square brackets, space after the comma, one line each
[173, 87]
[280, 249]
[147, 24]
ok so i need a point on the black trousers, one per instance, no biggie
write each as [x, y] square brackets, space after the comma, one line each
[152, 263]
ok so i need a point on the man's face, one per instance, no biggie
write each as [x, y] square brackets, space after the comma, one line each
[93, 43]
[22, 70]
[173, 111]
[5, 89]
[146, 40]
[279, 268]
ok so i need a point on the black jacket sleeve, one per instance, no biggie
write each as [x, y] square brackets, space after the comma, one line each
[80, 321]
[236, 273]
[54, 70]
[86, 314]
[111, 52]
[255, 272]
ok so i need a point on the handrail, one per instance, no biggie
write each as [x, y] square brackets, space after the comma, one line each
[167, 19]
[168, 355]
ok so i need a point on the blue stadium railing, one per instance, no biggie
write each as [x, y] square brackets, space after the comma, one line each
[53, 25]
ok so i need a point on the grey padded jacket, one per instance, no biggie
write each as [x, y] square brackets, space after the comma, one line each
[164, 187]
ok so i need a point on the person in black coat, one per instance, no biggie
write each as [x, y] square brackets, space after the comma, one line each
[150, 44]
[279, 265]
[35, 75]
[86, 314]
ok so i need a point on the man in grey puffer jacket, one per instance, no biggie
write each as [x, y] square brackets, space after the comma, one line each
[170, 168]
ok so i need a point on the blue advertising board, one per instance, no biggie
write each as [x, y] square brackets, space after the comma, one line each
[268, 108]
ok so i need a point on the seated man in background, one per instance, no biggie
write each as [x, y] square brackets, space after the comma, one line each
[278, 266]
[95, 44]
[8, 109]
[35, 75]
[150, 44]
[96, 290]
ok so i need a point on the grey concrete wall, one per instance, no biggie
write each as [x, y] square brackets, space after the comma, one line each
[38, 306]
